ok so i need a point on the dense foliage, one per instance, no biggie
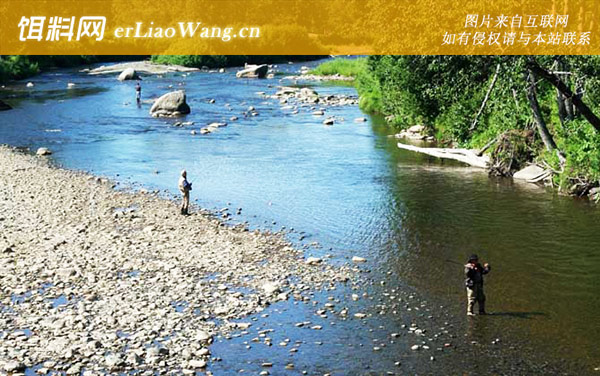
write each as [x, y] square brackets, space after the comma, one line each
[446, 94]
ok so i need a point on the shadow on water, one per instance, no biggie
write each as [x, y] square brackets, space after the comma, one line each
[14, 98]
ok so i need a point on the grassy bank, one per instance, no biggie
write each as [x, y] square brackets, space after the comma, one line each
[366, 85]
[470, 101]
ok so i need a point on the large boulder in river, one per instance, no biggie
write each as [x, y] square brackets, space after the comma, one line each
[170, 104]
[253, 71]
[128, 74]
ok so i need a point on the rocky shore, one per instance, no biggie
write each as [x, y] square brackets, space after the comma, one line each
[96, 280]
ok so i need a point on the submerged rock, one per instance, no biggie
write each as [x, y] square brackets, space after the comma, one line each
[329, 121]
[532, 173]
[4, 106]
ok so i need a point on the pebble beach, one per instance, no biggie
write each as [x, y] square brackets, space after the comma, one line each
[96, 280]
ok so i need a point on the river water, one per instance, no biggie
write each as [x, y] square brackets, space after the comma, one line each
[349, 188]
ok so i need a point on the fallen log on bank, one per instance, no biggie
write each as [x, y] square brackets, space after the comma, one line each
[467, 156]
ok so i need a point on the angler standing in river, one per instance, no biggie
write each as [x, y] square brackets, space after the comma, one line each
[138, 92]
[474, 283]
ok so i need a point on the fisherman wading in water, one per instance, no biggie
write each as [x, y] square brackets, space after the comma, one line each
[138, 92]
[474, 282]
[185, 187]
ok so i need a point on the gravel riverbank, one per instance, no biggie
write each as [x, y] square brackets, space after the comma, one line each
[99, 280]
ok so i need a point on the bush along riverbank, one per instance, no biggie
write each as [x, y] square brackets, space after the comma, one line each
[519, 110]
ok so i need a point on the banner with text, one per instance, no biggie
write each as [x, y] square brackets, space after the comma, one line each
[299, 27]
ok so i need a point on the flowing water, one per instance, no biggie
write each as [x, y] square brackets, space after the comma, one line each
[349, 188]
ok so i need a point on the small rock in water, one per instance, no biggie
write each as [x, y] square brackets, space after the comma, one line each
[360, 120]
[313, 260]
[415, 347]
[43, 151]
[358, 259]
[30, 84]
[329, 121]
[197, 363]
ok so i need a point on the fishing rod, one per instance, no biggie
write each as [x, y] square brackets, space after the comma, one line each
[454, 262]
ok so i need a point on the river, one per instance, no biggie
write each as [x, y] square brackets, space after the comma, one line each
[348, 188]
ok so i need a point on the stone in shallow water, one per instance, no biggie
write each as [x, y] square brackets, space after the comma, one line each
[531, 173]
[197, 363]
[43, 151]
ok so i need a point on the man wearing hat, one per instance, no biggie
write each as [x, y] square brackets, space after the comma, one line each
[474, 282]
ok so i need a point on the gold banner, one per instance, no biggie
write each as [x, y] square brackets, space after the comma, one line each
[298, 27]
